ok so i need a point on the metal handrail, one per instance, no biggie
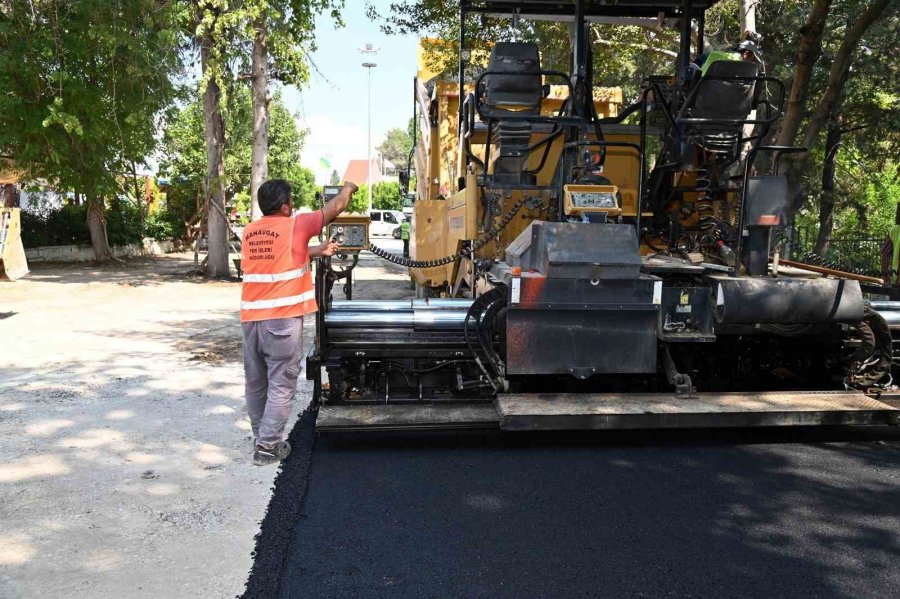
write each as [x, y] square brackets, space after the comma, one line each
[468, 126]
[735, 122]
[512, 116]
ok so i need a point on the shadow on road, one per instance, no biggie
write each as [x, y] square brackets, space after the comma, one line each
[709, 513]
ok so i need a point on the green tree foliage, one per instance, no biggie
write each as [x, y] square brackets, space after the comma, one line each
[385, 196]
[184, 150]
[181, 210]
[303, 183]
[360, 199]
[82, 85]
[335, 178]
[289, 27]
[396, 147]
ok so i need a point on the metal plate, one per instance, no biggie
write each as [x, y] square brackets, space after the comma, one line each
[527, 412]
[380, 417]
[581, 343]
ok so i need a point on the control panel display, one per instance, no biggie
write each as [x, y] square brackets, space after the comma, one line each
[352, 232]
[329, 191]
[585, 199]
[601, 199]
[348, 235]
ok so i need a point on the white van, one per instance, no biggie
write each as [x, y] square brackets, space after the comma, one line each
[384, 222]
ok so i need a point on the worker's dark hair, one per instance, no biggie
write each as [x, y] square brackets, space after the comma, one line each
[273, 194]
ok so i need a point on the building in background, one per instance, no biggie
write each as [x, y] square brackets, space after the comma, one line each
[383, 171]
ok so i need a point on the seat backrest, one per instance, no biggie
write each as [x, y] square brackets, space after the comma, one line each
[717, 99]
[521, 91]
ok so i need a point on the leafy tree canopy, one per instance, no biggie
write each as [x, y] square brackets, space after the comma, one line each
[184, 150]
[396, 147]
[83, 86]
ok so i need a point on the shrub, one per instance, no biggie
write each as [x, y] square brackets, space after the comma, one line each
[124, 223]
[66, 225]
[159, 226]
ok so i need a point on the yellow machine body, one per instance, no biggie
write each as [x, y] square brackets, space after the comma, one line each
[13, 264]
[445, 216]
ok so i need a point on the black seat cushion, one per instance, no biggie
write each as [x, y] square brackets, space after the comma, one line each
[717, 99]
[522, 90]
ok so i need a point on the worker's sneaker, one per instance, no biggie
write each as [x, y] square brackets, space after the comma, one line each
[264, 456]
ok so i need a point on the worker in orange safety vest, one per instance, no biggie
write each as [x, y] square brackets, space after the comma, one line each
[276, 293]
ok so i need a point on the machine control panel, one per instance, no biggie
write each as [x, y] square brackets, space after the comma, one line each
[329, 191]
[352, 232]
[586, 199]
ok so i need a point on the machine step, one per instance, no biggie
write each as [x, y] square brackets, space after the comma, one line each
[386, 417]
[618, 411]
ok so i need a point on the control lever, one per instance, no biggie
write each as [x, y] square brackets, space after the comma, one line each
[684, 387]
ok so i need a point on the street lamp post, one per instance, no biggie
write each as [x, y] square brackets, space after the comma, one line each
[369, 50]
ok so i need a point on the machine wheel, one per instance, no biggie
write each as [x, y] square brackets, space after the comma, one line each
[396, 233]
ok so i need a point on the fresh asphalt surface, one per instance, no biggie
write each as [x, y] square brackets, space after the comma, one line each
[750, 513]
[765, 513]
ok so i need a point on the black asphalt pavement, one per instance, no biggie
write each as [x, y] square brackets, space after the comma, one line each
[678, 514]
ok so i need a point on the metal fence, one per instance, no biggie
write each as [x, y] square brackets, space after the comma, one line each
[859, 253]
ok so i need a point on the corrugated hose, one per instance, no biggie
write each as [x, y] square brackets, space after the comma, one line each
[464, 253]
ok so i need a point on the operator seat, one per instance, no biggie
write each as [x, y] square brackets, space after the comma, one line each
[517, 87]
[513, 88]
[727, 103]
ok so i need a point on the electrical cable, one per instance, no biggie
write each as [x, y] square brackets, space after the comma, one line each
[478, 307]
[464, 253]
[479, 310]
[485, 324]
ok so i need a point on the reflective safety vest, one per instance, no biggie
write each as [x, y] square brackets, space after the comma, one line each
[716, 56]
[404, 230]
[895, 254]
[274, 285]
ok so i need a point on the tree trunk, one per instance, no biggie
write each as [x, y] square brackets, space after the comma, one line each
[141, 201]
[748, 15]
[826, 208]
[96, 222]
[807, 55]
[214, 131]
[824, 111]
[259, 85]
[840, 69]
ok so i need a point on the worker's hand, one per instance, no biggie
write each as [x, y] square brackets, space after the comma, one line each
[339, 202]
[329, 248]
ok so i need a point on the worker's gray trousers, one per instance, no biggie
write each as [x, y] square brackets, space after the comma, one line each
[272, 354]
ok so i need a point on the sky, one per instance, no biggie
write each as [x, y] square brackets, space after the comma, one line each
[333, 104]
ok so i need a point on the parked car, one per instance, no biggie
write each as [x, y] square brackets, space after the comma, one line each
[384, 222]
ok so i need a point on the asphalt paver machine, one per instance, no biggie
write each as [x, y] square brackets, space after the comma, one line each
[585, 264]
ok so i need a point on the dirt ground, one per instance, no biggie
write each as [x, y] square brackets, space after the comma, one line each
[125, 452]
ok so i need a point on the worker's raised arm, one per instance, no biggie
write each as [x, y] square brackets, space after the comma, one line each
[339, 202]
